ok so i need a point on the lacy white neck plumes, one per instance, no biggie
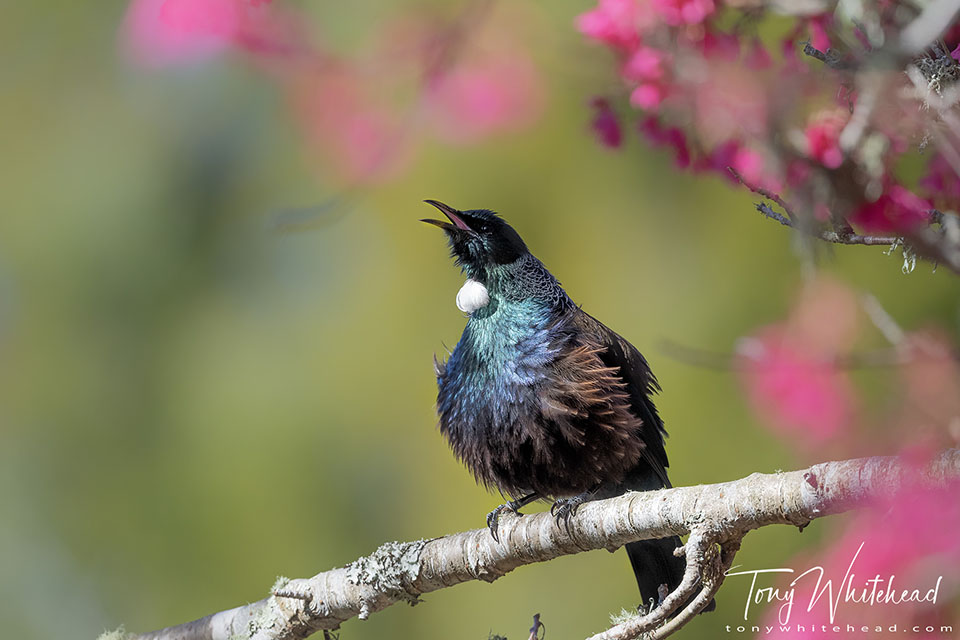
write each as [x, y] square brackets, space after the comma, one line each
[472, 296]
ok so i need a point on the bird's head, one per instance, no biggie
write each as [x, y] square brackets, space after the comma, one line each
[479, 239]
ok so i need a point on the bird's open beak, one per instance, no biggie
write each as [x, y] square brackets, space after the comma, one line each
[451, 214]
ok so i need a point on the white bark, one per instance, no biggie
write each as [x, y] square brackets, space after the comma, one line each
[717, 517]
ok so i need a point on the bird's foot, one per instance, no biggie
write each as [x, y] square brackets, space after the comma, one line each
[565, 508]
[493, 518]
[645, 608]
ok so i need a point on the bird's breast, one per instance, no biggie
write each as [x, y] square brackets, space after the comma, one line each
[502, 355]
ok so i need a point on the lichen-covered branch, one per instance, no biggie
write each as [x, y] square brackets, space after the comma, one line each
[716, 516]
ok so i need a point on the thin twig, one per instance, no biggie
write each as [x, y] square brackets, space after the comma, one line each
[826, 235]
[769, 195]
[723, 361]
[882, 320]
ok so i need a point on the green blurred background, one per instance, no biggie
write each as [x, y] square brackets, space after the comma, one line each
[194, 402]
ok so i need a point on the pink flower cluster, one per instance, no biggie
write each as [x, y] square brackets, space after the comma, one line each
[906, 541]
[807, 397]
[161, 32]
[720, 98]
[365, 116]
[791, 371]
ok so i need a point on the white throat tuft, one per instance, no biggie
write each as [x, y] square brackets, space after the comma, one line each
[472, 296]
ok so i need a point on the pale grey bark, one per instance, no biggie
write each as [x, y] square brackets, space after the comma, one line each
[716, 516]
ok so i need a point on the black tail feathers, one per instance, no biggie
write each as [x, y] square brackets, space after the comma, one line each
[654, 564]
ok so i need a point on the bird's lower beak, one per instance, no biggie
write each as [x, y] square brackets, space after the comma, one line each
[451, 214]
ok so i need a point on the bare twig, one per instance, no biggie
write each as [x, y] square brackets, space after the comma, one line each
[882, 320]
[825, 234]
[718, 514]
[725, 361]
[769, 195]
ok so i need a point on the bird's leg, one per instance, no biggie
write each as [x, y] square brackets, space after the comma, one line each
[565, 508]
[493, 518]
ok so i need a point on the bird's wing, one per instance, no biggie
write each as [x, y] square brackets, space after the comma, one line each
[640, 381]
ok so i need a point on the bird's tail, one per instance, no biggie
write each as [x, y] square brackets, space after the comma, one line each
[655, 564]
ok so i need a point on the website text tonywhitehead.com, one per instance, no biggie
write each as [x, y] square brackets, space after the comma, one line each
[845, 629]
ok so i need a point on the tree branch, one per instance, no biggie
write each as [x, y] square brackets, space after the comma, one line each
[716, 517]
[826, 235]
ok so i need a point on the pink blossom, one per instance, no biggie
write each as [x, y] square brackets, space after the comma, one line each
[929, 517]
[823, 139]
[791, 61]
[717, 45]
[798, 172]
[606, 124]
[804, 397]
[719, 159]
[896, 210]
[758, 57]
[824, 318]
[750, 164]
[818, 32]
[672, 137]
[681, 12]
[930, 376]
[941, 183]
[647, 96]
[159, 32]
[364, 142]
[477, 99]
[729, 104]
[645, 63]
[617, 23]
[955, 54]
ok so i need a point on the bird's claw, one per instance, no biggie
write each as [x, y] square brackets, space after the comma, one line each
[493, 520]
[565, 508]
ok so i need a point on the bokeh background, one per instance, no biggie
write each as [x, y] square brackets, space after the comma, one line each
[216, 349]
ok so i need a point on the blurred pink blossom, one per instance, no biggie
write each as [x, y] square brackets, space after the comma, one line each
[798, 172]
[823, 138]
[790, 369]
[896, 210]
[160, 32]
[818, 31]
[927, 516]
[647, 96]
[717, 45]
[930, 376]
[758, 57]
[617, 23]
[645, 63]
[825, 318]
[606, 124]
[729, 105]
[363, 142]
[751, 165]
[941, 183]
[672, 137]
[679, 12]
[806, 398]
[477, 99]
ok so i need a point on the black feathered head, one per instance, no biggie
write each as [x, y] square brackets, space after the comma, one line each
[479, 239]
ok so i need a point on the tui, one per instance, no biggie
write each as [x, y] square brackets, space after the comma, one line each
[542, 401]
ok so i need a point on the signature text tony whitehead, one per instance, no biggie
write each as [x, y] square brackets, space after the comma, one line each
[874, 591]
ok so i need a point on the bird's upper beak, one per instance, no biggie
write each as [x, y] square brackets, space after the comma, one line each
[452, 215]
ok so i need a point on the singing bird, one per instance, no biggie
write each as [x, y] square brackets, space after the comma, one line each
[542, 401]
